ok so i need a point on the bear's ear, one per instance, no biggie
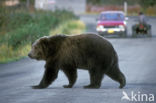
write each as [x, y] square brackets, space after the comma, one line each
[44, 41]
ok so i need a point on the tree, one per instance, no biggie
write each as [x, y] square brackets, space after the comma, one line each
[147, 3]
[28, 2]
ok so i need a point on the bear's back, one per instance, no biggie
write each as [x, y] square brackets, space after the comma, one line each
[87, 49]
[91, 41]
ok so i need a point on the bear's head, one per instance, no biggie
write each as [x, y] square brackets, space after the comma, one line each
[46, 47]
[39, 49]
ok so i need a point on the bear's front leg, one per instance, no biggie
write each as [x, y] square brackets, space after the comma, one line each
[49, 76]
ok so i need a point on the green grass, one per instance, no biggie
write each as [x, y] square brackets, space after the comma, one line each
[8, 53]
[23, 27]
[71, 27]
[19, 29]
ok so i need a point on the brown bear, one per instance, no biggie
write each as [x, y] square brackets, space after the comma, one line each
[68, 53]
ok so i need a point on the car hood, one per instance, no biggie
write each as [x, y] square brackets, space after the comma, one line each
[110, 23]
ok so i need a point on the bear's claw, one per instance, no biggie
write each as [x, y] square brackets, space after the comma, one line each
[91, 87]
[67, 86]
[37, 87]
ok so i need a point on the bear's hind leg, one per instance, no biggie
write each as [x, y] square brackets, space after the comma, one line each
[71, 74]
[96, 77]
[118, 76]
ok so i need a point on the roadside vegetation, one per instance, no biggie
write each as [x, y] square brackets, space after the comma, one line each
[20, 28]
[76, 27]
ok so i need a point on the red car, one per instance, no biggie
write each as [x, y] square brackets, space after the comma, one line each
[112, 22]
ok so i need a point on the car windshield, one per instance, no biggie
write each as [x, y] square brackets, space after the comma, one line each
[111, 16]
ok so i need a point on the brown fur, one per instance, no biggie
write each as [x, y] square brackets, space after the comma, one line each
[68, 53]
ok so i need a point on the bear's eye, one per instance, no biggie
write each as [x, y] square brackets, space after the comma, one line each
[35, 47]
[39, 53]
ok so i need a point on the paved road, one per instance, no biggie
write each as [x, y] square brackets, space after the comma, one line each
[137, 59]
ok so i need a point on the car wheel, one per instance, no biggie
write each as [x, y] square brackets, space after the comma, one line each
[124, 34]
[134, 33]
[149, 33]
[100, 33]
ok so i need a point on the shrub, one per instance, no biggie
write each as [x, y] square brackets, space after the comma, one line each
[26, 27]
[7, 53]
[70, 27]
[21, 28]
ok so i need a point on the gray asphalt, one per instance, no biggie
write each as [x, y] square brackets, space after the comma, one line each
[137, 59]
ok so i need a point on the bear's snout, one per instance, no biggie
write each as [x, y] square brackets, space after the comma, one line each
[29, 55]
